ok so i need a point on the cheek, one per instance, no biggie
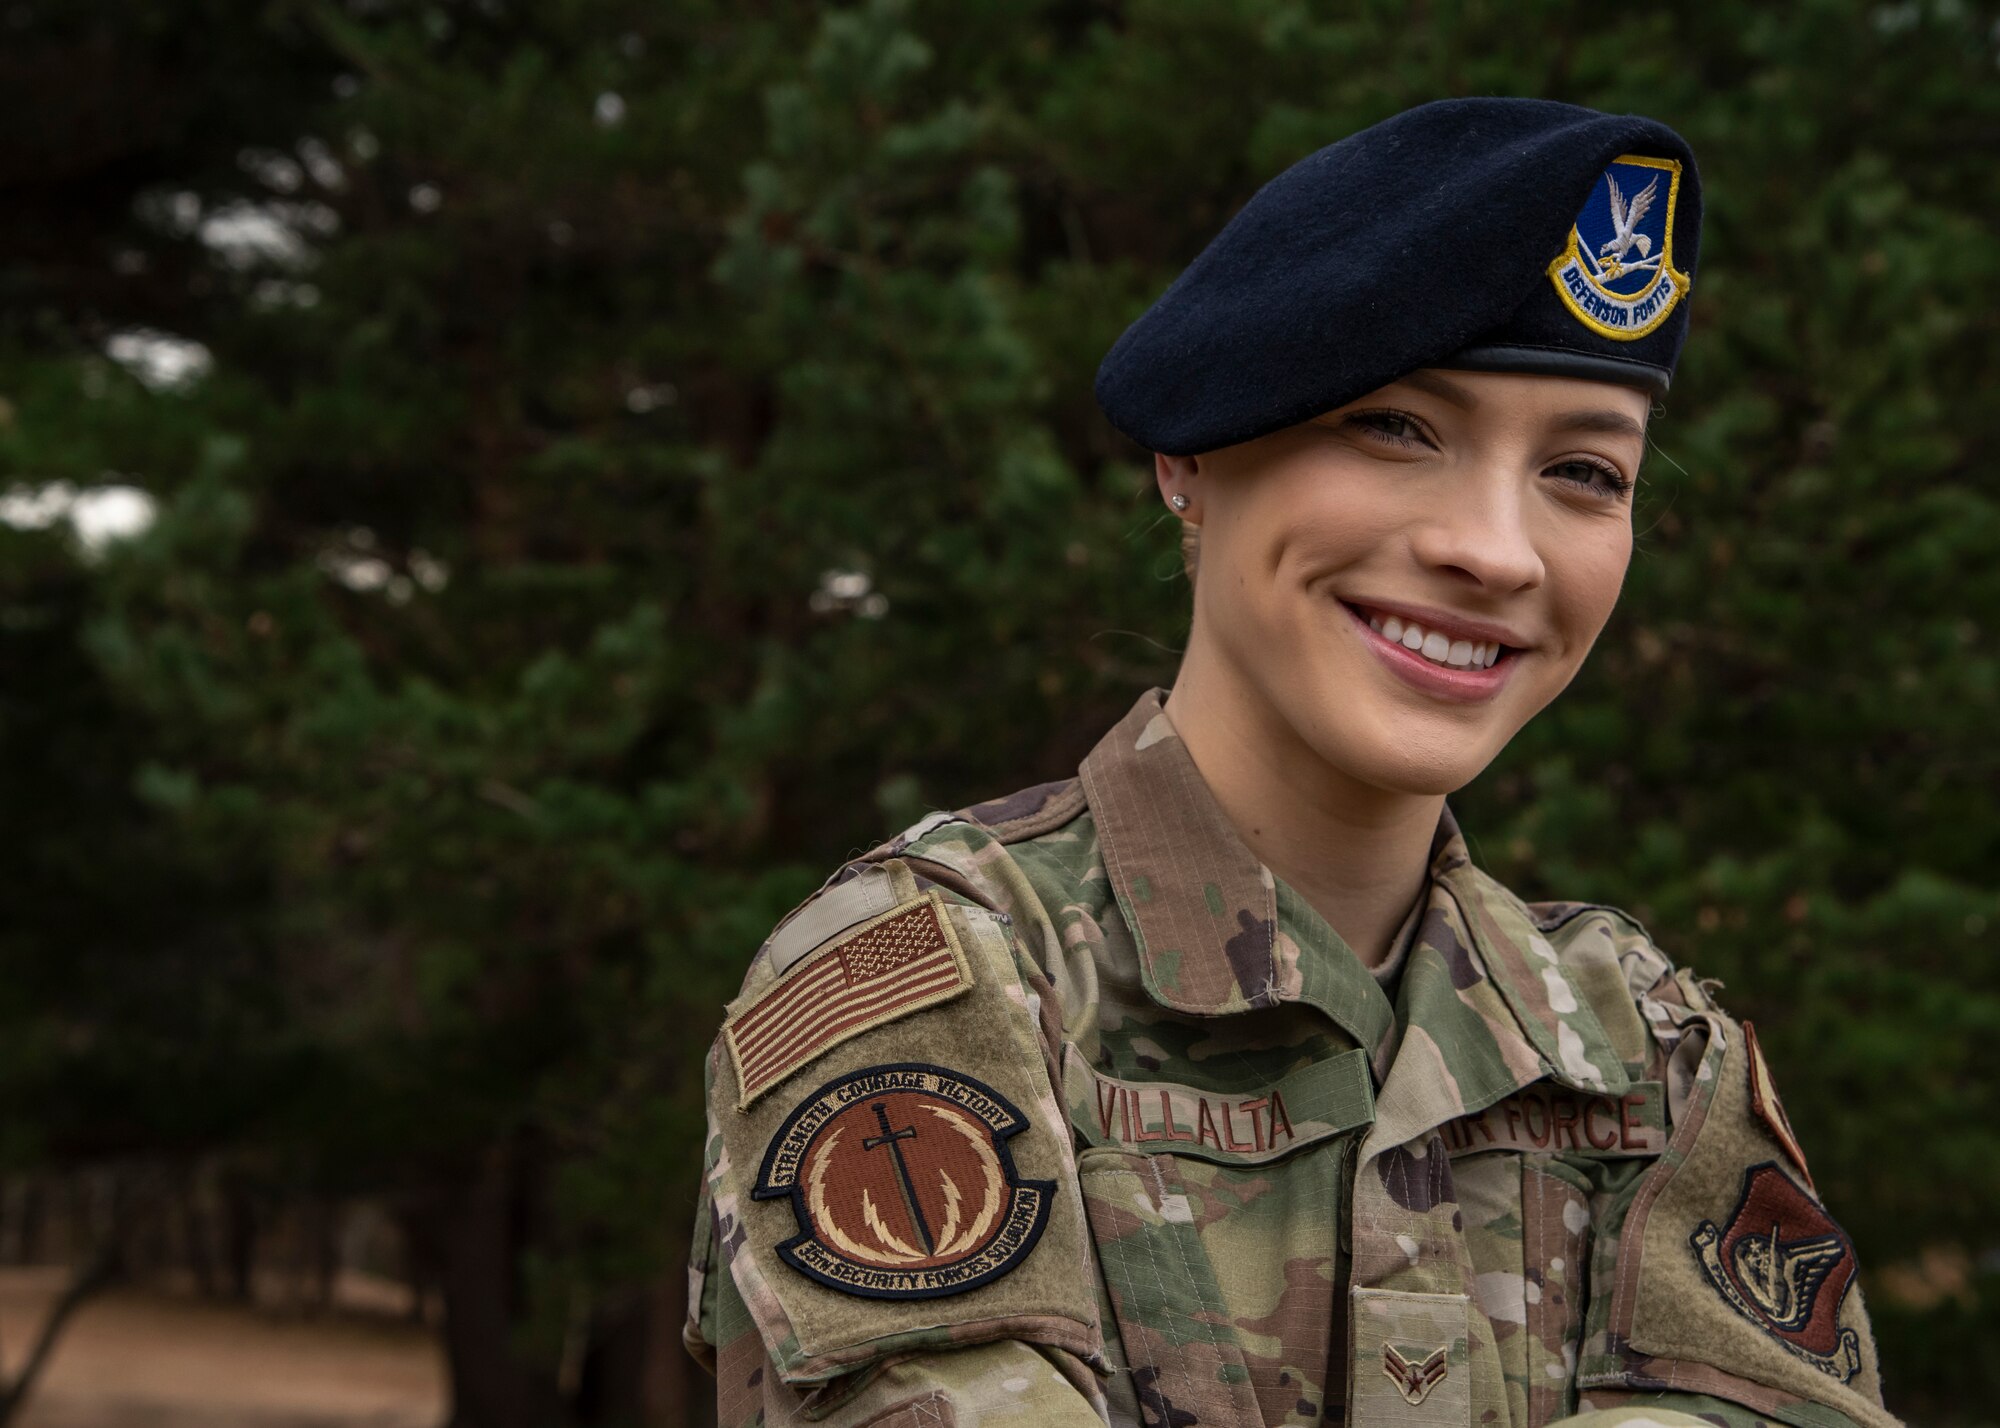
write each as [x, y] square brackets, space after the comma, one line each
[1276, 587]
[1588, 574]
[1315, 531]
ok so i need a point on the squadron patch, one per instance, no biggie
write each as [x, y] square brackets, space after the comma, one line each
[1617, 272]
[901, 961]
[902, 1185]
[1782, 1263]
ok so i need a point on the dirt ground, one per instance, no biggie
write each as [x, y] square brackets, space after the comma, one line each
[144, 1358]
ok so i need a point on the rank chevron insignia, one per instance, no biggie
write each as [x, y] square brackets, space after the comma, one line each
[1783, 1264]
[1414, 1378]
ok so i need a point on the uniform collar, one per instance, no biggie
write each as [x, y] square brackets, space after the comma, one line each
[1203, 910]
[1215, 930]
[1216, 933]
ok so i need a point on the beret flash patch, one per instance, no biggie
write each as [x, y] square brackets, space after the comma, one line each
[901, 1182]
[1783, 1264]
[1617, 274]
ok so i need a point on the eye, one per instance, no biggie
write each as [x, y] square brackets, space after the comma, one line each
[1600, 478]
[1398, 428]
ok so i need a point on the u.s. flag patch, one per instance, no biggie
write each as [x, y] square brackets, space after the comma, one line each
[906, 959]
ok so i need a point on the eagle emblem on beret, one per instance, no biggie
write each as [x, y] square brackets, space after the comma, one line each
[1616, 273]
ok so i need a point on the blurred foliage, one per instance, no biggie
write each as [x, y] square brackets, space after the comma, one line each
[645, 453]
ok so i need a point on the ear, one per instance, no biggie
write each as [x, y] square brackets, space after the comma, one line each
[1179, 476]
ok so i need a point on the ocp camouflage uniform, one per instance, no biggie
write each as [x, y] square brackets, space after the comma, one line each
[1541, 1176]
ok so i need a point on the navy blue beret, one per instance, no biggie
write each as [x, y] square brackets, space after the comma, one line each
[1489, 234]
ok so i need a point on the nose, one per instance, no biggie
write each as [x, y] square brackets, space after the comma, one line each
[1480, 536]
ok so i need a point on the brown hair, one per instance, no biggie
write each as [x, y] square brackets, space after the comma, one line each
[1190, 548]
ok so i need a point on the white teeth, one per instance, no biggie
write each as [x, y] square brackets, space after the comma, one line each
[1440, 648]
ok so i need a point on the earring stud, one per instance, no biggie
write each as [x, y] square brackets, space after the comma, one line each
[1180, 503]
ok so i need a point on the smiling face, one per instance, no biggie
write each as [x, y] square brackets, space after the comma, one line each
[1397, 586]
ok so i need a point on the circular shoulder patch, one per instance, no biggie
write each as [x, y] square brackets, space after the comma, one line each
[902, 1185]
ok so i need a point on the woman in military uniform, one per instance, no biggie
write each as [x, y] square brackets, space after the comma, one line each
[1216, 1085]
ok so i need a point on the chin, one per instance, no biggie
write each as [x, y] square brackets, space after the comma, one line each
[1419, 770]
[1398, 754]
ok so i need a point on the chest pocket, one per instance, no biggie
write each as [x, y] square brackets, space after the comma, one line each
[1216, 1220]
[1528, 1172]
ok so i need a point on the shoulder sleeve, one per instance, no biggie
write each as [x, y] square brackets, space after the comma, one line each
[701, 1334]
[1686, 1410]
[1720, 1272]
[1680, 1410]
[890, 1175]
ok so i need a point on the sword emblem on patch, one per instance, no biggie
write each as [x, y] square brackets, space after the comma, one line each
[903, 1185]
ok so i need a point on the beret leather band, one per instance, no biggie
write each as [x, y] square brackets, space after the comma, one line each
[1513, 235]
[1559, 362]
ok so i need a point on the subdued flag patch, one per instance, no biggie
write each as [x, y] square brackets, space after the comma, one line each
[902, 961]
[1764, 1101]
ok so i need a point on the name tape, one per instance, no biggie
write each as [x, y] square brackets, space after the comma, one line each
[1234, 1127]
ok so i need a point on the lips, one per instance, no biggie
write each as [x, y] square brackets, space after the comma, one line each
[1435, 644]
[1466, 682]
[1451, 622]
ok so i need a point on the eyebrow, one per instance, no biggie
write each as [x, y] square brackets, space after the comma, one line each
[1607, 423]
[1442, 388]
[1599, 420]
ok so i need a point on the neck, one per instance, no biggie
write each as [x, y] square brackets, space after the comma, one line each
[1356, 853]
